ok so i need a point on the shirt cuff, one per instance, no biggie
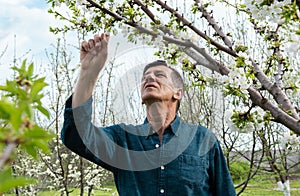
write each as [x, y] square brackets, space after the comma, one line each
[80, 113]
[84, 104]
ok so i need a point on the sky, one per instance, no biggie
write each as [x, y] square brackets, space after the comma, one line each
[24, 32]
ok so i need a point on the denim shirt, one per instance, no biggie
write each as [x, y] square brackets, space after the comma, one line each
[188, 160]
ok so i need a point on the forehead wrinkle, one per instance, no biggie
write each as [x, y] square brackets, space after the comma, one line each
[155, 71]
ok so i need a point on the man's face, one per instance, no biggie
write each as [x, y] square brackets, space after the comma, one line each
[157, 84]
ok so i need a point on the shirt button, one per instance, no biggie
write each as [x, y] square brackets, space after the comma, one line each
[162, 167]
[162, 190]
[156, 145]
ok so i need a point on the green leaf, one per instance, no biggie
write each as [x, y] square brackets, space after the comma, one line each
[38, 138]
[38, 133]
[43, 110]
[26, 107]
[9, 182]
[37, 86]
[31, 150]
[11, 86]
[6, 109]
[30, 70]
[42, 145]
[23, 66]
[16, 118]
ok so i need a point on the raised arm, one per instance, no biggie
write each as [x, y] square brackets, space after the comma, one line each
[93, 55]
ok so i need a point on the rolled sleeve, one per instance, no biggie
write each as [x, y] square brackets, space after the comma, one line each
[76, 129]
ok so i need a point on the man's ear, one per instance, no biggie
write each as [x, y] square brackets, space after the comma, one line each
[178, 94]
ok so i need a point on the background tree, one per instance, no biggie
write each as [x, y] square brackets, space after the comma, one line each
[183, 29]
[18, 129]
[67, 170]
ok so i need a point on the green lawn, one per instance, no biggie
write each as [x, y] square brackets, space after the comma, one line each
[256, 187]
[108, 191]
[267, 187]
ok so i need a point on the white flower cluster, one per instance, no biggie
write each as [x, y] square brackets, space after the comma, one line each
[208, 2]
[292, 46]
[272, 13]
[80, 2]
[94, 175]
[124, 30]
[159, 42]
[257, 123]
[57, 3]
[228, 118]
[290, 140]
[236, 79]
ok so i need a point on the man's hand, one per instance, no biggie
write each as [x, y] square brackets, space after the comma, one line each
[93, 54]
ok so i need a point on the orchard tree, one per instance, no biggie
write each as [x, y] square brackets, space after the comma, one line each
[20, 100]
[59, 170]
[66, 170]
[187, 33]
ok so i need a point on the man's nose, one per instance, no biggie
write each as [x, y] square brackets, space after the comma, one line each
[149, 78]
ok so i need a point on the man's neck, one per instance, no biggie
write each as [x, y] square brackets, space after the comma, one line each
[160, 115]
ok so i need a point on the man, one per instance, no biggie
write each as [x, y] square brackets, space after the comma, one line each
[163, 156]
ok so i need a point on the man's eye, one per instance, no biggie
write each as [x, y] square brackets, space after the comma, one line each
[160, 75]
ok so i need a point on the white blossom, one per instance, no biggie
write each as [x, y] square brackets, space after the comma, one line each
[57, 3]
[159, 42]
[293, 45]
[243, 54]
[124, 30]
[267, 13]
[290, 140]
[64, 155]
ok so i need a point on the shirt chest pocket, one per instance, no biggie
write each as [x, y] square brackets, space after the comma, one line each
[193, 170]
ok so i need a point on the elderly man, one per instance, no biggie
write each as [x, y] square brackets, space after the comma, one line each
[162, 156]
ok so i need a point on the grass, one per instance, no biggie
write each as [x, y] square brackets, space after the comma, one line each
[109, 190]
[268, 187]
[256, 187]
[259, 186]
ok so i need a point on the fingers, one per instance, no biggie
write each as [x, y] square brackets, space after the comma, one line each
[104, 40]
[91, 43]
[105, 37]
[97, 38]
[85, 46]
[97, 41]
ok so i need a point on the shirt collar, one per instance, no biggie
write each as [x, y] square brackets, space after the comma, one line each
[173, 126]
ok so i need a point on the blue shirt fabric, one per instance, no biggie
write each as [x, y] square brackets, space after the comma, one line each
[188, 160]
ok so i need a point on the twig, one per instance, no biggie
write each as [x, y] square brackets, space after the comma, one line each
[7, 153]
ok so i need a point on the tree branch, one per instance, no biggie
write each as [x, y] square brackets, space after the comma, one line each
[196, 30]
[279, 115]
[202, 58]
[277, 93]
[8, 150]
[214, 24]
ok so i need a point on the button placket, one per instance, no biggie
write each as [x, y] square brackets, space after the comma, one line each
[162, 180]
